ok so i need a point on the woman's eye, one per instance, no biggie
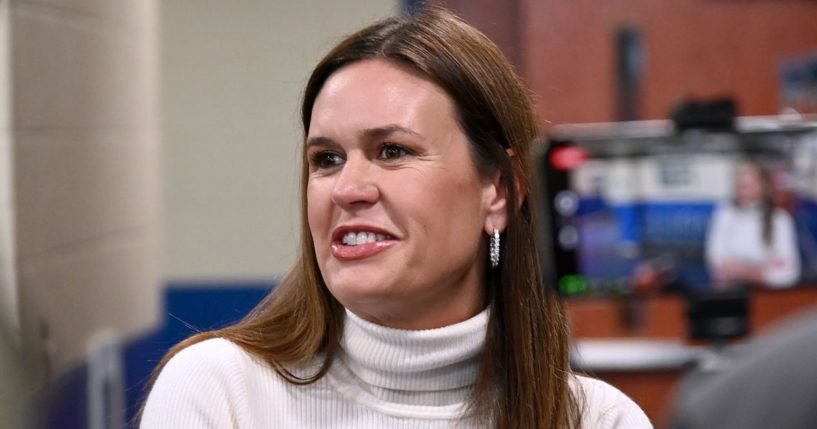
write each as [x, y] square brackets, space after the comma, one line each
[324, 160]
[392, 152]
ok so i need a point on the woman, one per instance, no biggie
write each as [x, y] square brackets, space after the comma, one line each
[750, 241]
[417, 299]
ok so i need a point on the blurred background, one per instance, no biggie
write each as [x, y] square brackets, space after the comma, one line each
[149, 153]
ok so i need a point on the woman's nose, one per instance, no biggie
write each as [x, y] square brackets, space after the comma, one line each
[355, 185]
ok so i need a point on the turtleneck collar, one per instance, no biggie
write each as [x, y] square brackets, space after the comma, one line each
[422, 361]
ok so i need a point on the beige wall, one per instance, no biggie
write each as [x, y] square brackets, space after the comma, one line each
[8, 289]
[232, 74]
[85, 170]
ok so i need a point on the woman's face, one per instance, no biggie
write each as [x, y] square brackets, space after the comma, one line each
[749, 184]
[396, 209]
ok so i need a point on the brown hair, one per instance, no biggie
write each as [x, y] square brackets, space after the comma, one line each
[524, 376]
[767, 198]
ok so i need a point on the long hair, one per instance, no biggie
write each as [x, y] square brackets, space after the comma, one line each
[524, 377]
[767, 198]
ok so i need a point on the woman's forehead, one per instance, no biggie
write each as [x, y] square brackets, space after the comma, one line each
[375, 93]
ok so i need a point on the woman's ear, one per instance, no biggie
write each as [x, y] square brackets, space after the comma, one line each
[497, 216]
[496, 196]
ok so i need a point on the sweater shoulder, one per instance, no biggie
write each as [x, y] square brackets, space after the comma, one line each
[724, 209]
[203, 385]
[213, 352]
[211, 358]
[604, 406]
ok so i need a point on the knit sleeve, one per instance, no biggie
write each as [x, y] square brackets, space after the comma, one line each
[200, 387]
[605, 407]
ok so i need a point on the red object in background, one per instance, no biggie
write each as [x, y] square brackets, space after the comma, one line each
[568, 158]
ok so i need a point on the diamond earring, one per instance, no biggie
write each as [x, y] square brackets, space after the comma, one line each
[494, 248]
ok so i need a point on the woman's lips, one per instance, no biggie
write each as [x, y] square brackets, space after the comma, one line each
[361, 251]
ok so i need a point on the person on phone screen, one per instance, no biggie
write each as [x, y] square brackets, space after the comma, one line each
[751, 241]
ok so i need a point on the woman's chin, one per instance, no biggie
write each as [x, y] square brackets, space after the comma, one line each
[363, 289]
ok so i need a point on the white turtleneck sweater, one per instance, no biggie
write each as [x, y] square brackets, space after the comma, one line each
[381, 378]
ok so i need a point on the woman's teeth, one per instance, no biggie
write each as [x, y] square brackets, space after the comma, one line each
[355, 238]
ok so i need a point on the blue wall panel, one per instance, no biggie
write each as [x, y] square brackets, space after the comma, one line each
[188, 308]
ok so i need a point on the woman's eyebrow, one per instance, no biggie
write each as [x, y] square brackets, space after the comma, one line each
[367, 134]
[320, 141]
[385, 131]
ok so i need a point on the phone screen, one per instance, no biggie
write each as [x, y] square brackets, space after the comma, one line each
[636, 207]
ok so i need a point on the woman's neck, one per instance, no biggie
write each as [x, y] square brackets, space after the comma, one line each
[444, 307]
[414, 360]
